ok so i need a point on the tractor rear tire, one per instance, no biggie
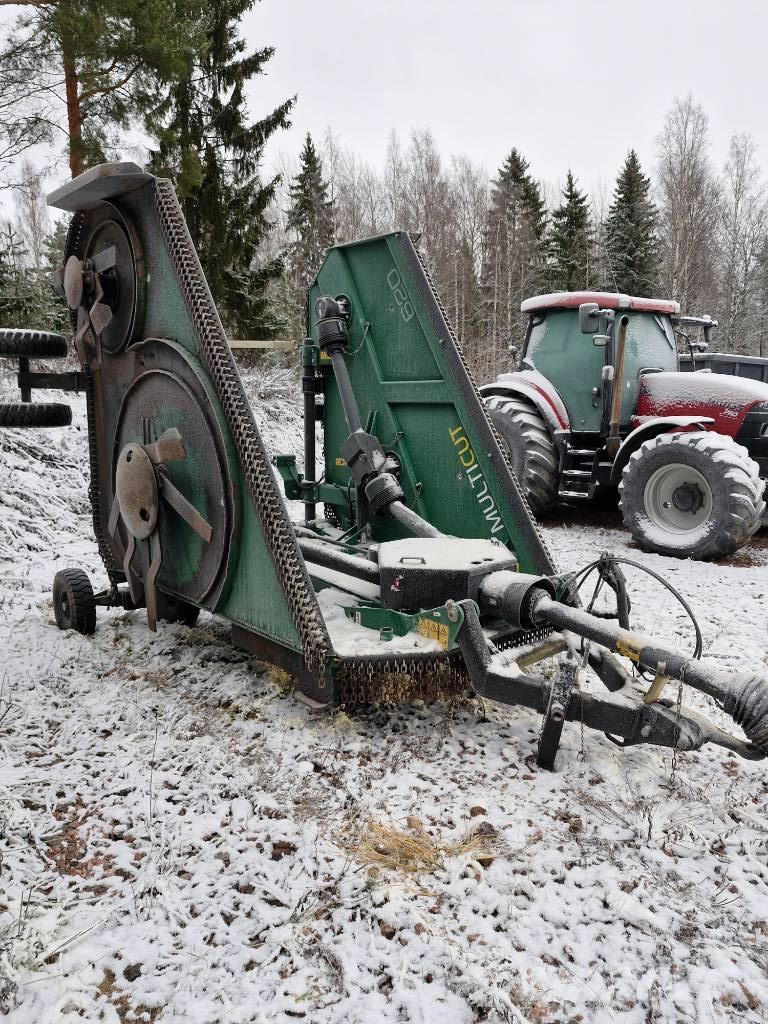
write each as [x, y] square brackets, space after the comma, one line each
[74, 604]
[691, 495]
[21, 344]
[35, 414]
[532, 453]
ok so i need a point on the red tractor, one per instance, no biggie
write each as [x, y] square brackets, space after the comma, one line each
[599, 401]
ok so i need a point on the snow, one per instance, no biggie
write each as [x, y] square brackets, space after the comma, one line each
[181, 836]
[701, 389]
[352, 639]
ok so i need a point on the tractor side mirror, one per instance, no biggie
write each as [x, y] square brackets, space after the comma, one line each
[589, 320]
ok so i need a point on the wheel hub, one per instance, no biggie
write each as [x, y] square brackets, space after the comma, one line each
[688, 498]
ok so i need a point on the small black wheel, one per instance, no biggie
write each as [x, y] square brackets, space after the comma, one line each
[73, 602]
[173, 609]
[32, 344]
[33, 414]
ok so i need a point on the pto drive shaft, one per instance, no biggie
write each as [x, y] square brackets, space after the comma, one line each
[529, 601]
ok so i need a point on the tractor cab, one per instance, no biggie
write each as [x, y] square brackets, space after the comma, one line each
[599, 401]
[575, 361]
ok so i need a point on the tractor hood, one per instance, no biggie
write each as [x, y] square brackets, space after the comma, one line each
[725, 398]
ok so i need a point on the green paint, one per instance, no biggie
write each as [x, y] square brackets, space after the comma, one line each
[252, 594]
[439, 624]
[296, 490]
[401, 376]
[556, 348]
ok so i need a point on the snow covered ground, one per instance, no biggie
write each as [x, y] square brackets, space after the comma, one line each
[183, 841]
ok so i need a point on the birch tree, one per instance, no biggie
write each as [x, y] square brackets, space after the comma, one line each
[743, 231]
[689, 201]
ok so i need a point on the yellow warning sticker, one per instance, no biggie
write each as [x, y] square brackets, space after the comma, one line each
[340, 462]
[433, 630]
[628, 646]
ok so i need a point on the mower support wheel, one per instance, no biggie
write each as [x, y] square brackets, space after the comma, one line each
[74, 604]
[691, 495]
[532, 453]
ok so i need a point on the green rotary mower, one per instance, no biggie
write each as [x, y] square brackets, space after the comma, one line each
[416, 570]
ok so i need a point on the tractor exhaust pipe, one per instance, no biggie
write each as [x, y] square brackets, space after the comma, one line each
[613, 443]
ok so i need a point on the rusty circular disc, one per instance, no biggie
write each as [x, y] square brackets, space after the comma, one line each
[123, 285]
[136, 491]
[73, 282]
[167, 392]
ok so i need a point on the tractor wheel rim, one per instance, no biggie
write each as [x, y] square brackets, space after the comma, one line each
[678, 499]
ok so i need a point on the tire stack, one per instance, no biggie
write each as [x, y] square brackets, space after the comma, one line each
[26, 345]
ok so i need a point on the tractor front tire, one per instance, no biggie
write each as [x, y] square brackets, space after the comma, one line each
[74, 604]
[532, 454]
[691, 495]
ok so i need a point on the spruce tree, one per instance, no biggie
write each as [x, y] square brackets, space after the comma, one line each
[26, 296]
[570, 241]
[210, 148]
[513, 261]
[310, 216]
[631, 241]
[15, 292]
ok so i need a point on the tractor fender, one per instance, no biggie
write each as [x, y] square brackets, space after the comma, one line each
[533, 386]
[652, 426]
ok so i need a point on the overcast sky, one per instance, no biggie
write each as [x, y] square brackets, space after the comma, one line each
[571, 84]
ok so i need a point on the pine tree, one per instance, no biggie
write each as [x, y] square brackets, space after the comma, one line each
[570, 242]
[212, 151]
[513, 262]
[310, 216]
[90, 69]
[630, 233]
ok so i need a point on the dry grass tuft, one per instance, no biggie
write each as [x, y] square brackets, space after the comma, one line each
[283, 681]
[387, 848]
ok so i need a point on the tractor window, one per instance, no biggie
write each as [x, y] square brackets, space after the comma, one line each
[537, 330]
[568, 359]
[666, 326]
[650, 344]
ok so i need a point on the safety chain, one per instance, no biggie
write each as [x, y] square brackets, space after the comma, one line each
[420, 676]
[398, 680]
[582, 755]
[675, 746]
